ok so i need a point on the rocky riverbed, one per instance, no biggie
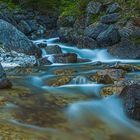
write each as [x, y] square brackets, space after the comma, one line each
[83, 84]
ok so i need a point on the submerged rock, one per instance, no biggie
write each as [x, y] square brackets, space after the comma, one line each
[65, 58]
[4, 82]
[109, 76]
[131, 99]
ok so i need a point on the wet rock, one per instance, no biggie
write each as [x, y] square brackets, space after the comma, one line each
[131, 99]
[110, 18]
[42, 45]
[109, 37]
[59, 81]
[4, 82]
[65, 58]
[94, 7]
[108, 76]
[94, 30]
[117, 87]
[112, 8]
[44, 61]
[111, 90]
[55, 49]
[15, 40]
[125, 49]
[87, 42]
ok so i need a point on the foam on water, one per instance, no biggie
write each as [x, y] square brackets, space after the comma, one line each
[94, 55]
[109, 111]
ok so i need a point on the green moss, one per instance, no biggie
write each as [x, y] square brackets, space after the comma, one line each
[135, 40]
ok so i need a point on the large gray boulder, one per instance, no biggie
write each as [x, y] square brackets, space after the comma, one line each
[94, 30]
[87, 43]
[131, 100]
[4, 82]
[125, 49]
[13, 39]
[109, 37]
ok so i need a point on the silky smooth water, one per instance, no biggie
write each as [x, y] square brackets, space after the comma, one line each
[73, 108]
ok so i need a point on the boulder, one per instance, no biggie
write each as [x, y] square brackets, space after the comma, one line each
[109, 37]
[112, 8]
[66, 21]
[87, 43]
[13, 39]
[131, 100]
[109, 76]
[117, 87]
[65, 58]
[125, 49]
[94, 7]
[4, 82]
[44, 61]
[110, 18]
[69, 35]
[94, 30]
[55, 49]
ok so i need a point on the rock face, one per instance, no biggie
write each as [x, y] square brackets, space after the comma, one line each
[87, 43]
[4, 82]
[125, 49]
[131, 99]
[94, 30]
[109, 37]
[110, 18]
[13, 39]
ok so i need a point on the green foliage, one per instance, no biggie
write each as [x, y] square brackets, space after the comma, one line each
[10, 3]
[73, 7]
[135, 40]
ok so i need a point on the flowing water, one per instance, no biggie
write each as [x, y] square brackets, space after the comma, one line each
[61, 102]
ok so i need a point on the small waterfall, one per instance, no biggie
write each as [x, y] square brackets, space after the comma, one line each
[80, 80]
[47, 56]
[44, 53]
